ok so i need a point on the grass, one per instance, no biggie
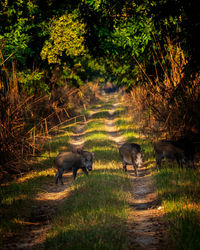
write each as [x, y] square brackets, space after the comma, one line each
[179, 191]
[17, 200]
[130, 132]
[94, 215]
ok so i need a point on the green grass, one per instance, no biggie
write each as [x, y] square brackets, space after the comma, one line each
[17, 200]
[179, 191]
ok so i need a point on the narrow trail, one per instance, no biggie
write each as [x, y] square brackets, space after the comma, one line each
[145, 229]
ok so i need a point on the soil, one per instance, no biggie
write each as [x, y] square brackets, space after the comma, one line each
[145, 228]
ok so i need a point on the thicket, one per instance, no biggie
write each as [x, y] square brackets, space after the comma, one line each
[45, 77]
[50, 50]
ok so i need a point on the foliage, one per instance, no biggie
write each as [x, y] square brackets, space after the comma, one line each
[66, 36]
[18, 24]
[168, 105]
[32, 81]
[48, 44]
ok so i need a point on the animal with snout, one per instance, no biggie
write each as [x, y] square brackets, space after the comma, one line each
[131, 154]
[170, 151]
[72, 161]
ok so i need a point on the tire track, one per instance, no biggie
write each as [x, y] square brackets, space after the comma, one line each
[145, 227]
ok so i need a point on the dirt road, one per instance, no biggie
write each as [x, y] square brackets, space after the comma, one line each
[145, 229]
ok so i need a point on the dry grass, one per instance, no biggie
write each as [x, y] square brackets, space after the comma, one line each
[167, 105]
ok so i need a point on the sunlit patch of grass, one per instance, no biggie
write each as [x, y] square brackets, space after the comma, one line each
[179, 190]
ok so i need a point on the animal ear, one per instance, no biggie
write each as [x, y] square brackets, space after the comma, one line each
[92, 154]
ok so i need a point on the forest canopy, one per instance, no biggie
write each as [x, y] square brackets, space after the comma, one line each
[114, 32]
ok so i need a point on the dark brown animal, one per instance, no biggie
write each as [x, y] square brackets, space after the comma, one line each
[72, 161]
[131, 154]
[168, 150]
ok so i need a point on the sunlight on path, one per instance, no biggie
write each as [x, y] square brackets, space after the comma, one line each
[76, 140]
[144, 228]
[114, 134]
[55, 193]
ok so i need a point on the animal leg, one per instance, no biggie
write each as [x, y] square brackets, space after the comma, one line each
[158, 161]
[135, 166]
[85, 171]
[74, 170]
[59, 176]
[136, 169]
[124, 165]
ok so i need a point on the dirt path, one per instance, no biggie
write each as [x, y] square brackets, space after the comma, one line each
[145, 227]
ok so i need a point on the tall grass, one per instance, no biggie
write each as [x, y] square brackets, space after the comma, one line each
[167, 103]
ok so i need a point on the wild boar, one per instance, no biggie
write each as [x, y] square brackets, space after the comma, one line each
[168, 150]
[72, 161]
[188, 148]
[131, 154]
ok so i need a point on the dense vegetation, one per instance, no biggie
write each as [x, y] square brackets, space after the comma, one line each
[50, 51]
